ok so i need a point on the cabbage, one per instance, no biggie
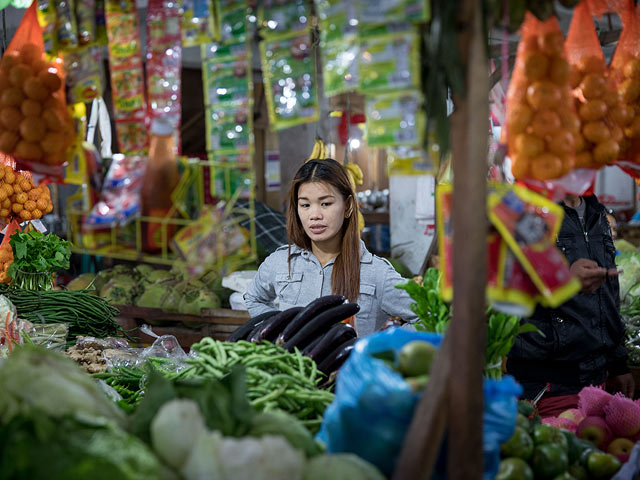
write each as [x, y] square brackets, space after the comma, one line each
[630, 263]
[193, 301]
[82, 282]
[342, 466]
[158, 276]
[623, 245]
[36, 381]
[203, 462]
[153, 296]
[143, 270]
[287, 426]
[171, 301]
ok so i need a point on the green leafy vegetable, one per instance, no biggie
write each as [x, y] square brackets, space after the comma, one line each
[36, 257]
[433, 312]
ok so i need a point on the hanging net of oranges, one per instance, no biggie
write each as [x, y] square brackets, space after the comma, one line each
[20, 198]
[603, 115]
[541, 122]
[6, 252]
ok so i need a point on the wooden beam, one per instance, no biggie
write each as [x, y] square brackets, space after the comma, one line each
[469, 137]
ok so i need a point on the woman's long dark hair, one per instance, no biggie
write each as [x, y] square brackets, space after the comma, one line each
[345, 279]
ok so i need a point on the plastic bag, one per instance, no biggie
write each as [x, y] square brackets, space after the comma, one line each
[625, 76]
[598, 104]
[36, 127]
[374, 405]
[541, 121]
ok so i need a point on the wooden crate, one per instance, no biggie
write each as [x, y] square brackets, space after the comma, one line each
[188, 329]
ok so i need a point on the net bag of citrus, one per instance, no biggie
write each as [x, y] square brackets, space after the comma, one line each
[602, 114]
[625, 76]
[6, 251]
[541, 122]
[20, 198]
[34, 123]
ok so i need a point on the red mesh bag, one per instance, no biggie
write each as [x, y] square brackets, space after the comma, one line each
[625, 76]
[6, 251]
[35, 126]
[598, 104]
[541, 122]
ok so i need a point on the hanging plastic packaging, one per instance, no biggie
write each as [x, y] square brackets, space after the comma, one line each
[541, 122]
[341, 72]
[86, 21]
[197, 22]
[277, 17]
[337, 19]
[375, 13]
[164, 64]
[395, 119]
[84, 75]
[127, 78]
[374, 406]
[232, 16]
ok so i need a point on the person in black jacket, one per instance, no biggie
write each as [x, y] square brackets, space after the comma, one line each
[583, 342]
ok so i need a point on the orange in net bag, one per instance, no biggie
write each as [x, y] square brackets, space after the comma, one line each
[625, 75]
[541, 122]
[6, 251]
[602, 114]
[34, 123]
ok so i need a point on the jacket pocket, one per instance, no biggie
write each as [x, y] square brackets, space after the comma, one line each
[288, 288]
[366, 300]
[568, 247]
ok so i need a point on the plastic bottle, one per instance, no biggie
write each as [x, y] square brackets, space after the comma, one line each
[160, 180]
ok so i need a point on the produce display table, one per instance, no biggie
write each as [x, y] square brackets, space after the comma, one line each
[188, 329]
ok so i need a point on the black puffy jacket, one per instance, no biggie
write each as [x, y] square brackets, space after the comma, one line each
[583, 337]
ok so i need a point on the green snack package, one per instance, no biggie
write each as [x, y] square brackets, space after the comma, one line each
[278, 17]
[395, 119]
[340, 70]
[229, 129]
[197, 22]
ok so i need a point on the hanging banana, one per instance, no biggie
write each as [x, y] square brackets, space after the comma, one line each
[320, 150]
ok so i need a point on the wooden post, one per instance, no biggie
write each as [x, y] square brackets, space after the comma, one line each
[470, 134]
[454, 396]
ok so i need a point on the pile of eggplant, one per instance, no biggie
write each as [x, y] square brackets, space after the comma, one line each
[316, 330]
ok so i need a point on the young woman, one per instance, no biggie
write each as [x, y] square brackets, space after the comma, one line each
[326, 256]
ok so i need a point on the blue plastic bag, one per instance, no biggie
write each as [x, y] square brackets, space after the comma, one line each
[374, 405]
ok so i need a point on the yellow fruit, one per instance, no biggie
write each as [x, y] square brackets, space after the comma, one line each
[34, 194]
[49, 208]
[31, 108]
[30, 52]
[546, 167]
[629, 90]
[562, 143]
[28, 150]
[569, 119]
[580, 144]
[39, 65]
[593, 85]
[622, 115]
[52, 142]
[591, 64]
[583, 160]
[25, 215]
[8, 141]
[611, 98]
[519, 167]
[30, 205]
[33, 129]
[41, 204]
[633, 129]
[37, 213]
[17, 188]
[528, 146]
[9, 176]
[6, 203]
[53, 119]
[50, 80]
[35, 89]
[551, 43]
[545, 122]
[617, 135]
[16, 207]
[4, 212]
[559, 71]
[595, 132]
[12, 97]
[631, 69]
[536, 65]
[10, 117]
[19, 74]
[520, 116]
[9, 60]
[592, 110]
[25, 185]
[606, 152]
[21, 198]
[543, 94]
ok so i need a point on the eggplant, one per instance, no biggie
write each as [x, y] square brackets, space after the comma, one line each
[244, 330]
[336, 359]
[310, 311]
[337, 335]
[312, 345]
[272, 327]
[320, 324]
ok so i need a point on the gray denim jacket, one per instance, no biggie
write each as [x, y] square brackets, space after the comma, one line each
[378, 299]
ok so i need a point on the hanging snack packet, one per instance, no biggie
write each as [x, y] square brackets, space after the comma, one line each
[47, 21]
[599, 107]
[84, 75]
[625, 77]
[66, 28]
[229, 129]
[228, 180]
[277, 17]
[529, 224]
[541, 121]
[127, 84]
[226, 82]
[233, 20]
[36, 127]
[337, 19]
[197, 22]
[444, 229]
[390, 62]
[374, 13]
[290, 81]
[120, 200]
[395, 119]
[86, 21]
[340, 72]
[224, 51]
[164, 63]
[101, 23]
